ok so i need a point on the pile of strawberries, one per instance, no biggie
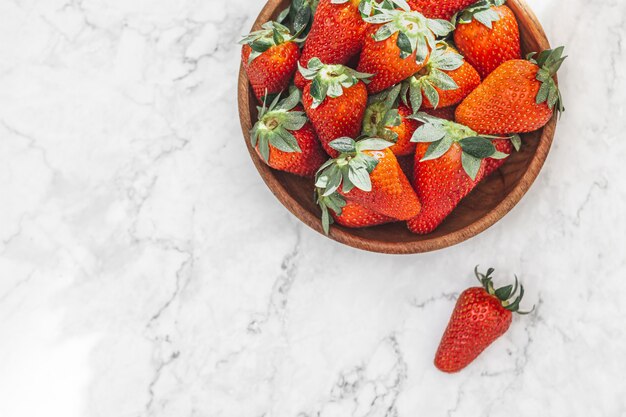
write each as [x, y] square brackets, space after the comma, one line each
[397, 108]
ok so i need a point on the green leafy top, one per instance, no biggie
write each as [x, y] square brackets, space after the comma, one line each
[416, 33]
[549, 62]
[442, 59]
[299, 16]
[382, 114]
[482, 11]
[350, 170]
[442, 134]
[276, 123]
[506, 294]
[271, 34]
[330, 80]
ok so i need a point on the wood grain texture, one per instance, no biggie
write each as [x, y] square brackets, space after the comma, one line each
[487, 204]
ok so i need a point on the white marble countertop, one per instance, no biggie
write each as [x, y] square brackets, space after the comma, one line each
[145, 270]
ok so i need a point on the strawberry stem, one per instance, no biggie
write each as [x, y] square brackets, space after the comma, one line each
[506, 295]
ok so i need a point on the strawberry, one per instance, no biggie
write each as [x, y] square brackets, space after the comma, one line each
[270, 58]
[487, 35]
[336, 34]
[285, 139]
[519, 96]
[481, 315]
[334, 100]
[450, 161]
[366, 173]
[398, 45]
[355, 216]
[438, 9]
[388, 119]
[445, 80]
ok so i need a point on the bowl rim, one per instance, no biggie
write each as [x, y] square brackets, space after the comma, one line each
[341, 235]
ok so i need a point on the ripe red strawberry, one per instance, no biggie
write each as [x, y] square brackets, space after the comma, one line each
[438, 9]
[336, 34]
[398, 45]
[481, 315]
[519, 96]
[386, 117]
[450, 161]
[285, 139]
[445, 80]
[355, 216]
[488, 36]
[334, 100]
[367, 173]
[270, 58]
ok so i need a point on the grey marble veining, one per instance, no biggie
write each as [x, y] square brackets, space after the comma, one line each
[145, 269]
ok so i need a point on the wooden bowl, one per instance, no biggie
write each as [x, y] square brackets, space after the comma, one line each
[487, 204]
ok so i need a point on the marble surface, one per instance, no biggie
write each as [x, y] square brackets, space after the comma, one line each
[145, 270]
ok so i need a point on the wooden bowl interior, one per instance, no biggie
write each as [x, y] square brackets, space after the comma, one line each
[490, 201]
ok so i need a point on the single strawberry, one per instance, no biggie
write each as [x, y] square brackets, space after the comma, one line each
[285, 139]
[450, 161]
[398, 45]
[355, 216]
[335, 101]
[366, 173]
[438, 9]
[481, 315]
[388, 119]
[270, 58]
[519, 96]
[336, 34]
[445, 80]
[487, 35]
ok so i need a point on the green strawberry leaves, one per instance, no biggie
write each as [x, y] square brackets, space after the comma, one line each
[271, 34]
[382, 114]
[350, 170]
[506, 295]
[330, 80]
[481, 11]
[443, 134]
[334, 202]
[276, 124]
[299, 16]
[416, 33]
[434, 74]
[549, 62]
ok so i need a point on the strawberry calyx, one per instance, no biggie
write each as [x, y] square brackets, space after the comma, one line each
[416, 33]
[549, 62]
[330, 80]
[299, 16]
[441, 134]
[275, 124]
[507, 294]
[441, 59]
[272, 34]
[481, 11]
[382, 114]
[351, 169]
